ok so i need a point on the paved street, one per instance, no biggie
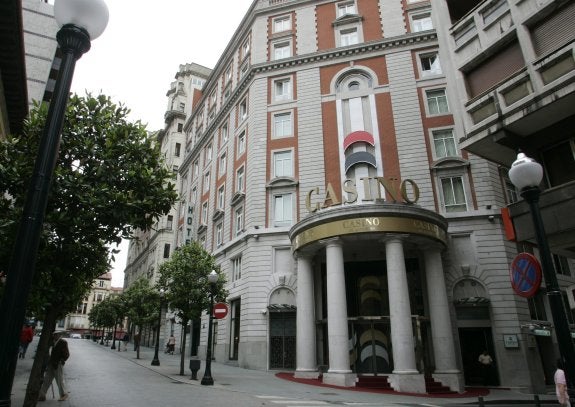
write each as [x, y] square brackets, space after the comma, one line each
[99, 376]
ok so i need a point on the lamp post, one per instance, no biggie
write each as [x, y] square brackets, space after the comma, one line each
[81, 21]
[526, 175]
[208, 380]
[156, 360]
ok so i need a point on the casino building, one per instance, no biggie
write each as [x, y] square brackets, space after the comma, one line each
[321, 166]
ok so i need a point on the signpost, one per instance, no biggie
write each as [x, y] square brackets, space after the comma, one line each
[220, 310]
[525, 274]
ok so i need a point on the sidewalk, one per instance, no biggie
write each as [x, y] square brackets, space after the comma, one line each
[264, 383]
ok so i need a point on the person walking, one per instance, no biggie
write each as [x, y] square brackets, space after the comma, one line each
[485, 361]
[126, 339]
[561, 385]
[55, 369]
[26, 336]
[171, 344]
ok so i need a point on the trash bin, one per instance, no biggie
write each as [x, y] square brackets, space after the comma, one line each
[194, 367]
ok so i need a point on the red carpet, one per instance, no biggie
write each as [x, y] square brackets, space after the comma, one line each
[469, 391]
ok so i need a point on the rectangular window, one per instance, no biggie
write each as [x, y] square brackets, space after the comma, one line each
[345, 8]
[561, 265]
[243, 110]
[283, 166]
[221, 197]
[283, 209]
[240, 180]
[510, 191]
[282, 24]
[196, 170]
[182, 107]
[224, 133]
[205, 213]
[421, 22]
[437, 101]
[282, 89]
[348, 37]
[430, 64]
[453, 194]
[245, 49]
[283, 125]
[228, 75]
[194, 195]
[169, 222]
[166, 250]
[444, 143]
[236, 268]
[180, 127]
[223, 162]
[241, 143]
[239, 220]
[207, 182]
[219, 234]
[282, 50]
[178, 149]
[209, 152]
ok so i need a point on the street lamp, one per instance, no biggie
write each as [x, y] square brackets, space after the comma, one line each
[81, 21]
[208, 380]
[526, 174]
[156, 360]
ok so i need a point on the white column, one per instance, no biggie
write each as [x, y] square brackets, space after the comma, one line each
[336, 309]
[441, 332]
[306, 364]
[403, 343]
[339, 372]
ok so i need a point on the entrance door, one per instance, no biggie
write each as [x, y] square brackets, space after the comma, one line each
[371, 347]
[473, 342]
[282, 340]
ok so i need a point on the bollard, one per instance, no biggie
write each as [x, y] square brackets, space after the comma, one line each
[480, 402]
[194, 367]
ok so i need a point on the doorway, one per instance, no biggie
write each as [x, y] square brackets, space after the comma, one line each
[473, 342]
[282, 340]
[371, 347]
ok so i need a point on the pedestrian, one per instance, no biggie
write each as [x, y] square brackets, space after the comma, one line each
[26, 336]
[561, 385]
[126, 339]
[171, 344]
[137, 341]
[55, 368]
[486, 362]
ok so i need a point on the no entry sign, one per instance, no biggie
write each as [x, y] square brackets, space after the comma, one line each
[220, 310]
[525, 275]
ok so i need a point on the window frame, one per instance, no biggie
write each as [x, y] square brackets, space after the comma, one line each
[284, 159]
[283, 46]
[420, 18]
[444, 205]
[239, 220]
[428, 105]
[276, 122]
[425, 73]
[241, 143]
[282, 27]
[342, 8]
[283, 221]
[435, 131]
[283, 89]
[240, 179]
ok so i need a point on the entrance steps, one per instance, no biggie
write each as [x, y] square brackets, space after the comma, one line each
[380, 382]
[434, 387]
[373, 382]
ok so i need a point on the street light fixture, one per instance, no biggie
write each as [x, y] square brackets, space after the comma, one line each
[81, 21]
[156, 360]
[526, 174]
[208, 380]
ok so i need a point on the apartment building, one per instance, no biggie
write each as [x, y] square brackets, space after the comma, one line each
[323, 167]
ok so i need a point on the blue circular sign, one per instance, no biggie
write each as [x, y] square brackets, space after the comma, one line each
[525, 275]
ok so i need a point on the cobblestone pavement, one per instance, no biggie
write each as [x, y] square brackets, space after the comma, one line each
[99, 376]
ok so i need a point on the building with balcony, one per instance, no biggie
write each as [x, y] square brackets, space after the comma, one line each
[323, 169]
[511, 70]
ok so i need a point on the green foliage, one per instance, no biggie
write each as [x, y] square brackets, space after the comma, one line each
[107, 312]
[142, 303]
[110, 178]
[184, 277]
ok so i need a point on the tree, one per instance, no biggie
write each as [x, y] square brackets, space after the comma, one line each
[110, 178]
[142, 303]
[184, 277]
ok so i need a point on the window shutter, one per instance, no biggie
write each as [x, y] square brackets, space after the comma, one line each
[554, 31]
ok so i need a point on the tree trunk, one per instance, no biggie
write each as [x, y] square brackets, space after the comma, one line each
[183, 353]
[36, 375]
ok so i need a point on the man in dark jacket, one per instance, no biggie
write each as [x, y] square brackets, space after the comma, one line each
[55, 369]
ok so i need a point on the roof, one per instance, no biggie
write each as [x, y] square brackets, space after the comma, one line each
[12, 63]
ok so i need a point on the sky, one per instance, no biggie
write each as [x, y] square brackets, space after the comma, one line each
[137, 56]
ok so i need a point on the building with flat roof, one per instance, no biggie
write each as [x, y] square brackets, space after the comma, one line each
[323, 168]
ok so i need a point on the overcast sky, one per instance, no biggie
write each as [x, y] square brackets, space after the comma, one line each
[136, 58]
